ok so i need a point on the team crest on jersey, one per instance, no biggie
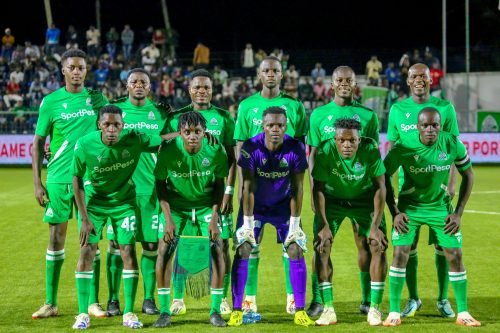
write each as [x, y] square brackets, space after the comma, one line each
[356, 117]
[49, 212]
[338, 163]
[151, 115]
[99, 158]
[205, 162]
[283, 163]
[442, 156]
[264, 161]
[244, 153]
[65, 105]
[255, 110]
[358, 166]
[179, 163]
[408, 115]
[88, 101]
[214, 122]
[416, 157]
[395, 235]
[125, 153]
[330, 118]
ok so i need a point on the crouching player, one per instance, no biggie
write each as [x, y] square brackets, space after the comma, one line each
[348, 179]
[273, 166]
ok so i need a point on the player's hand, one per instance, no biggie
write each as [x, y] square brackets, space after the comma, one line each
[452, 224]
[47, 154]
[377, 239]
[401, 223]
[212, 140]
[213, 228]
[227, 204]
[86, 229]
[323, 236]
[41, 195]
[169, 233]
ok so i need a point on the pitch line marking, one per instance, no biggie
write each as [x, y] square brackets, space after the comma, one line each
[481, 212]
[486, 192]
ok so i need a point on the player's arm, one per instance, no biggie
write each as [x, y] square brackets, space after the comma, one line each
[452, 181]
[248, 192]
[227, 201]
[213, 227]
[376, 235]
[453, 220]
[324, 234]
[86, 227]
[297, 189]
[161, 192]
[36, 163]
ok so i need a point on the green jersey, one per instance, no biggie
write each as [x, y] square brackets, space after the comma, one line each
[190, 177]
[348, 179]
[66, 117]
[426, 170]
[323, 118]
[250, 110]
[219, 123]
[108, 170]
[146, 119]
[403, 117]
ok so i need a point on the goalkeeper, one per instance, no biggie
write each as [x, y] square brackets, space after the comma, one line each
[273, 166]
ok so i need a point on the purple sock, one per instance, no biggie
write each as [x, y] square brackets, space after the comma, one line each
[298, 279]
[239, 278]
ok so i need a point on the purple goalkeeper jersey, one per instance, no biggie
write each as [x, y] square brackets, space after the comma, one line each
[272, 170]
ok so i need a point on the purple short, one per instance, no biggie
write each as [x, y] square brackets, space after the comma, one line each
[279, 218]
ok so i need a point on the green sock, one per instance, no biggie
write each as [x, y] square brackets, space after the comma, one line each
[83, 281]
[325, 288]
[227, 281]
[442, 275]
[315, 289]
[130, 280]
[179, 281]
[217, 294]
[377, 293]
[148, 263]
[53, 264]
[365, 280]
[396, 284]
[114, 267]
[164, 298]
[253, 272]
[459, 284]
[94, 284]
[286, 268]
[411, 275]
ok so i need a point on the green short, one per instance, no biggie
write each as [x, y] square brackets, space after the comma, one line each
[148, 210]
[359, 212]
[59, 209]
[226, 223]
[188, 222]
[120, 220]
[436, 224]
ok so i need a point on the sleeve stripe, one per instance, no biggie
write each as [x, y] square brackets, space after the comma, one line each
[463, 162]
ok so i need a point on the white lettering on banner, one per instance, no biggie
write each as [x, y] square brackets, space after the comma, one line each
[16, 149]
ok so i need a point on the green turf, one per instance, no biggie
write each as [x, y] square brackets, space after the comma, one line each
[22, 269]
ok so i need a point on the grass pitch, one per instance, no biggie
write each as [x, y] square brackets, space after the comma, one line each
[22, 271]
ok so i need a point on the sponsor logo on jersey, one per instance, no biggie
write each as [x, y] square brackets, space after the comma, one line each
[358, 166]
[65, 105]
[49, 212]
[99, 158]
[214, 122]
[416, 157]
[77, 114]
[430, 168]
[356, 117]
[191, 173]
[141, 125]
[125, 153]
[151, 115]
[329, 129]
[406, 128]
[205, 162]
[244, 153]
[88, 101]
[214, 131]
[114, 167]
[343, 176]
[272, 174]
[330, 118]
[255, 110]
[338, 163]
[442, 156]
[283, 163]
[408, 115]
[256, 121]
[179, 163]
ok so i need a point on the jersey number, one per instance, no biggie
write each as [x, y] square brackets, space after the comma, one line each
[129, 223]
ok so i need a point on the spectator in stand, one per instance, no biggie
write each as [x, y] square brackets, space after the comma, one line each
[227, 94]
[52, 39]
[17, 55]
[320, 93]
[404, 67]
[306, 93]
[19, 118]
[124, 73]
[71, 38]
[201, 56]
[318, 72]
[147, 37]
[285, 58]
[148, 61]
[278, 53]
[392, 74]
[291, 73]
[52, 84]
[101, 75]
[259, 56]
[217, 91]
[93, 40]
[17, 75]
[248, 61]
[12, 93]
[41, 72]
[429, 59]
[436, 75]
[153, 51]
[127, 41]
[220, 74]
[167, 91]
[31, 52]
[35, 93]
[8, 41]
[373, 69]
[416, 58]
[290, 87]
[4, 71]
[111, 40]
[242, 90]
[160, 41]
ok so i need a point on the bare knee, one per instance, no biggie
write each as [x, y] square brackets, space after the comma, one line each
[454, 257]
[244, 251]
[128, 256]
[401, 255]
[57, 236]
[294, 251]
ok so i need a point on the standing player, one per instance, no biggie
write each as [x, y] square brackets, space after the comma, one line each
[107, 159]
[190, 184]
[349, 182]
[426, 157]
[220, 124]
[402, 122]
[273, 166]
[66, 115]
[141, 114]
[249, 124]
[322, 128]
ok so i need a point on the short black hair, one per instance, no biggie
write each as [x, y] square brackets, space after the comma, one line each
[273, 110]
[139, 70]
[347, 123]
[73, 53]
[191, 118]
[113, 109]
[201, 72]
[429, 109]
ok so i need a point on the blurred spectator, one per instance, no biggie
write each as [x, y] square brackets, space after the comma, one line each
[127, 41]
[278, 53]
[17, 75]
[227, 94]
[220, 74]
[201, 56]
[320, 92]
[284, 62]
[291, 73]
[71, 38]
[259, 56]
[415, 57]
[12, 93]
[19, 118]
[167, 90]
[41, 72]
[148, 61]
[101, 75]
[18, 55]
[404, 67]
[248, 61]
[436, 75]
[429, 59]
[318, 72]
[35, 93]
[242, 90]
[93, 39]
[52, 39]
[160, 41]
[8, 44]
[153, 51]
[290, 87]
[306, 92]
[111, 40]
[373, 69]
[31, 52]
[147, 37]
[52, 84]
[392, 74]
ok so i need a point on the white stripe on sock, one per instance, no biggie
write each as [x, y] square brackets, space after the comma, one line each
[396, 269]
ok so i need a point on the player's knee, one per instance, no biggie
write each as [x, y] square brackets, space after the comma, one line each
[454, 257]
[128, 255]
[244, 250]
[294, 251]
[401, 254]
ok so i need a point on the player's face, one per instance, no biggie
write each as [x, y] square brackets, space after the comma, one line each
[74, 71]
[192, 136]
[274, 126]
[347, 142]
[429, 126]
[111, 125]
[343, 82]
[419, 80]
[138, 85]
[200, 91]
[270, 73]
